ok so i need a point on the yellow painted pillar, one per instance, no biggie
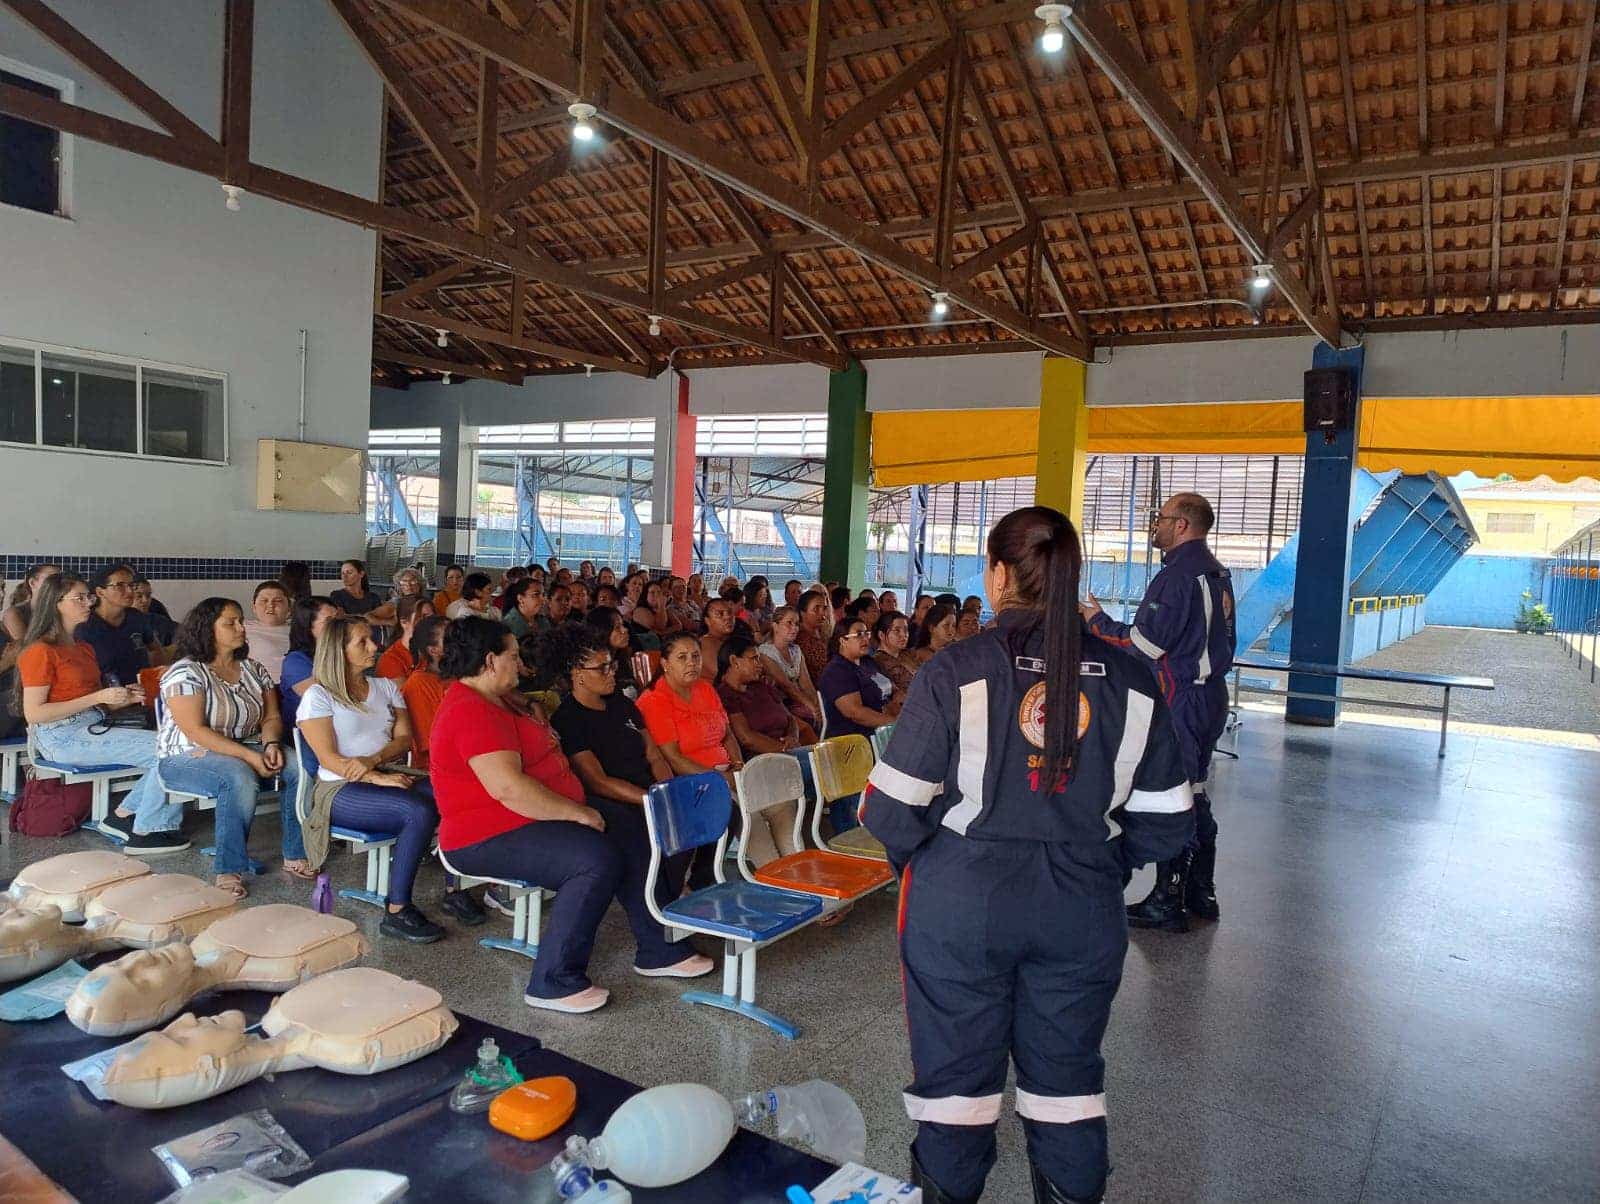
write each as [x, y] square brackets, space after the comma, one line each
[1063, 437]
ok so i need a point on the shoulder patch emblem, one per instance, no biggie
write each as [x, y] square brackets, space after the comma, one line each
[1030, 715]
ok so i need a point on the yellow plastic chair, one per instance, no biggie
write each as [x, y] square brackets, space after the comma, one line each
[839, 769]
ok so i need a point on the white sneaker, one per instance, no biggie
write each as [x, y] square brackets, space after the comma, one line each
[589, 1000]
[505, 905]
[692, 966]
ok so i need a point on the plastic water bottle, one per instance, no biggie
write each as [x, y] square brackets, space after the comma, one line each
[816, 1113]
[482, 1082]
[659, 1137]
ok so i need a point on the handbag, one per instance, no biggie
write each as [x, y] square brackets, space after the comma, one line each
[49, 807]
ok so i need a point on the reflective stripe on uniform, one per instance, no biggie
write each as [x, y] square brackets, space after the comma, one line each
[901, 786]
[1135, 735]
[1060, 1109]
[974, 756]
[956, 1109]
[1163, 802]
[1145, 644]
[1205, 641]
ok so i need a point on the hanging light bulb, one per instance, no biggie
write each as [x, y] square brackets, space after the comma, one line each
[588, 370]
[1263, 278]
[233, 193]
[447, 378]
[1054, 36]
[941, 304]
[443, 340]
[582, 121]
[655, 325]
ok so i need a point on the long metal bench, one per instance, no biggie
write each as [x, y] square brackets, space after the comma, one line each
[1438, 681]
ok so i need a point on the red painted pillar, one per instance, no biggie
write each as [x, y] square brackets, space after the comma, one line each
[683, 482]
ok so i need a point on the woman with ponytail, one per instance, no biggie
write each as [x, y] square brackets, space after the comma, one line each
[1033, 767]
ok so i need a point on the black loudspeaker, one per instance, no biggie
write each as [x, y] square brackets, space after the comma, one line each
[1330, 400]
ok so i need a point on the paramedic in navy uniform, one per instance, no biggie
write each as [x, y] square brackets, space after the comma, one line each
[1032, 767]
[1184, 630]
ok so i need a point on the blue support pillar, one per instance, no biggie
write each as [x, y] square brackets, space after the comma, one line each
[1322, 568]
[916, 544]
[531, 542]
[632, 532]
[390, 505]
[713, 522]
[797, 555]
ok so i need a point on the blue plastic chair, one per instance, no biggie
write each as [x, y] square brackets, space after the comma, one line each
[687, 813]
[378, 847]
[13, 753]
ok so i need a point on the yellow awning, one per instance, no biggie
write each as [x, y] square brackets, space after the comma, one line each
[1526, 436]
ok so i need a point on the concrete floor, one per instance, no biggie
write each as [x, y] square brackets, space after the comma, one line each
[1401, 1002]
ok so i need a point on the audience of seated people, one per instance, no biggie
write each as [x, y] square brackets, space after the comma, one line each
[456, 697]
[221, 737]
[512, 808]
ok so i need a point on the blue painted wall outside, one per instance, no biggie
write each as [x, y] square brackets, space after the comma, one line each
[1485, 591]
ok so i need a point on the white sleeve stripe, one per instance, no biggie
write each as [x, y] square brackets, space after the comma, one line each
[901, 786]
[1145, 644]
[1163, 802]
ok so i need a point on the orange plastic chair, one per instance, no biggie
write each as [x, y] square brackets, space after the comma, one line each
[772, 780]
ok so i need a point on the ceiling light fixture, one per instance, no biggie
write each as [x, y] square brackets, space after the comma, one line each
[941, 304]
[1263, 279]
[447, 378]
[588, 370]
[582, 121]
[233, 192]
[655, 325]
[443, 340]
[1054, 36]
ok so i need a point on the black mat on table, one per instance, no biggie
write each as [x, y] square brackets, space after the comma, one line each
[463, 1160]
[98, 1150]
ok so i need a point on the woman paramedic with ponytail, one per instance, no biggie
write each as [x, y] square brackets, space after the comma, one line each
[1013, 831]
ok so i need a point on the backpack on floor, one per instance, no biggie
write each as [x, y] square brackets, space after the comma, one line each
[49, 807]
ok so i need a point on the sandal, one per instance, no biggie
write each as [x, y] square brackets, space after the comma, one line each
[233, 884]
[299, 868]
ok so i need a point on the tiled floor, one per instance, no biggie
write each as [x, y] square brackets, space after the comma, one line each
[1402, 1001]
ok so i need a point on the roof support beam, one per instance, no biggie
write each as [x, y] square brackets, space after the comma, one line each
[488, 138]
[1580, 71]
[113, 74]
[486, 334]
[658, 226]
[720, 280]
[514, 192]
[1098, 33]
[664, 130]
[996, 253]
[410, 359]
[950, 156]
[882, 99]
[238, 36]
[608, 322]
[421, 112]
[768, 50]
[426, 285]
[1227, 48]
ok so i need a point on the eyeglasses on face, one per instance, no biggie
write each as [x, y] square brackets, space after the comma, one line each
[608, 668]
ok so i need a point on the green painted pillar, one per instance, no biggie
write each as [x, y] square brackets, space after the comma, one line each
[844, 481]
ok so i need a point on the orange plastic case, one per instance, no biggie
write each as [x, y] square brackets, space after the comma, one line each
[534, 1109]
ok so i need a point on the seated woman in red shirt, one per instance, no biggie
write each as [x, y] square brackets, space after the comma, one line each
[511, 807]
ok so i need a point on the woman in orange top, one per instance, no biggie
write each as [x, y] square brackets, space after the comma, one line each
[424, 688]
[63, 701]
[397, 660]
[684, 714]
[453, 578]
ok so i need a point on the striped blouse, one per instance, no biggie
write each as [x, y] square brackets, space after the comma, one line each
[234, 710]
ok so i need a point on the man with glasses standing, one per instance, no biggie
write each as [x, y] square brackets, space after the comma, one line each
[1184, 628]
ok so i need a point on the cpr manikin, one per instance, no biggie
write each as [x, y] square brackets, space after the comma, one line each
[269, 948]
[354, 1021]
[69, 881]
[140, 913]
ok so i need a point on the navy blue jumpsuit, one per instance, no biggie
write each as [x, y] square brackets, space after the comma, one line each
[1012, 931]
[1184, 630]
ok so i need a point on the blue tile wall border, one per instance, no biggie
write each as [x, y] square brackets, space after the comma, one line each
[168, 568]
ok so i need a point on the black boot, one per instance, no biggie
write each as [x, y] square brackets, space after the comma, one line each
[1163, 906]
[932, 1193]
[1046, 1192]
[1200, 891]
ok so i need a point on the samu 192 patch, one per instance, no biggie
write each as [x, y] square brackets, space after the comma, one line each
[1030, 715]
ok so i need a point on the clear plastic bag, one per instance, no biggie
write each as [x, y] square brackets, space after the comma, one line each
[251, 1141]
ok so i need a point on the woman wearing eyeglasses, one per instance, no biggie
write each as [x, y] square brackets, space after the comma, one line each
[855, 692]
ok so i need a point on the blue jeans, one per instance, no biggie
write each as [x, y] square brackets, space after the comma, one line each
[236, 788]
[70, 742]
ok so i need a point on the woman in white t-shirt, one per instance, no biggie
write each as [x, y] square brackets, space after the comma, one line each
[355, 724]
[221, 737]
[786, 668]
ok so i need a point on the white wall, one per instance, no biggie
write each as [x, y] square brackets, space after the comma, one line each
[152, 265]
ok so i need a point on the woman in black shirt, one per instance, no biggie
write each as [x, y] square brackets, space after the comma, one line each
[356, 599]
